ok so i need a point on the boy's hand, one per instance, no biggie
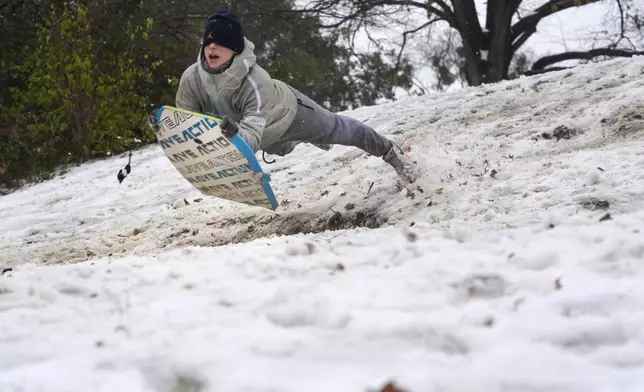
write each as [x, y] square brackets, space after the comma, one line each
[229, 127]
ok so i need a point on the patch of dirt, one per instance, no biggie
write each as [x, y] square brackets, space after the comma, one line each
[594, 204]
[484, 286]
[305, 223]
[239, 229]
[187, 383]
[389, 387]
[560, 132]
[628, 122]
[564, 132]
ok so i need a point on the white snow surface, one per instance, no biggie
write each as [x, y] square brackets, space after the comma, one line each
[504, 274]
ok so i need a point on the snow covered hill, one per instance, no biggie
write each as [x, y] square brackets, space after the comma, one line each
[518, 267]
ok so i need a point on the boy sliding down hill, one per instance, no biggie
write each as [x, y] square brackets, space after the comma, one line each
[267, 113]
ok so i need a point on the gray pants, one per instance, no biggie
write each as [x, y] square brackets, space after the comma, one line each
[317, 125]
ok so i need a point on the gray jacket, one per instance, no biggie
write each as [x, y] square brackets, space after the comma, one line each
[263, 107]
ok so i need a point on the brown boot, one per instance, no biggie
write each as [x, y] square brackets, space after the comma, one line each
[403, 165]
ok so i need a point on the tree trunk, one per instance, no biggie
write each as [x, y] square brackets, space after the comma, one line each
[499, 18]
[473, 64]
[468, 26]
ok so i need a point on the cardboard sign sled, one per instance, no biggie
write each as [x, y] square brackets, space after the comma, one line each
[215, 165]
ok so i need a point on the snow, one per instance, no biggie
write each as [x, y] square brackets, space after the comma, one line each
[517, 268]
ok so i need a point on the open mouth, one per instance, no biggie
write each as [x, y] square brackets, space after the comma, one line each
[213, 57]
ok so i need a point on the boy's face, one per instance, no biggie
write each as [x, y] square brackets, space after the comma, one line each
[217, 55]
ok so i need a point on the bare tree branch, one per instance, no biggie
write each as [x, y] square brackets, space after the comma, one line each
[514, 5]
[406, 33]
[362, 8]
[622, 21]
[527, 26]
[418, 84]
[545, 70]
[448, 13]
[587, 55]
[519, 42]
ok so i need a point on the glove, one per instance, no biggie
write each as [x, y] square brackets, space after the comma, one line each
[229, 127]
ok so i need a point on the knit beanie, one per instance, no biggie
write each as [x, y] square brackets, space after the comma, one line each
[224, 28]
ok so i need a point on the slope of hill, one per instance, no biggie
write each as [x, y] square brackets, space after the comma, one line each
[518, 267]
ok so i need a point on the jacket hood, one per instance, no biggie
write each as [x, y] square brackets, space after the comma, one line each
[233, 77]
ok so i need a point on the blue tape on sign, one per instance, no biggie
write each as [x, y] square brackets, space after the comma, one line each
[254, 165]
[159, 112]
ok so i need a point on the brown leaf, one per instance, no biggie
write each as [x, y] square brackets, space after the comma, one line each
[391, 387]
[558, 285]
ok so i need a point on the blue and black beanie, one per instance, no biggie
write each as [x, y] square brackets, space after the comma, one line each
[225, 29]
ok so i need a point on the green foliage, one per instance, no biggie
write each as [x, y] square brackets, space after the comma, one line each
[377, 78]
[78, 101]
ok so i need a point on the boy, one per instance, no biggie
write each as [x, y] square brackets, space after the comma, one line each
[267, 113]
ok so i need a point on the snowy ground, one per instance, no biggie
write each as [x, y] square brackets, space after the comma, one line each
[518, 268]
